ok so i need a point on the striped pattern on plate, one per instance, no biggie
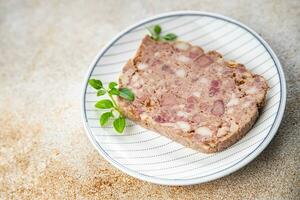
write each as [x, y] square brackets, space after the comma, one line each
[147, 155]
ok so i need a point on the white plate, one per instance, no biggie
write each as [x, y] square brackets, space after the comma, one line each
[147, 155]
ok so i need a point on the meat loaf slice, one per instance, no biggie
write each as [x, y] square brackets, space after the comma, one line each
[189, 96]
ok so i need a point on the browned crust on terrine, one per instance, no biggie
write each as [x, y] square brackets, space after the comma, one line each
[213, 144]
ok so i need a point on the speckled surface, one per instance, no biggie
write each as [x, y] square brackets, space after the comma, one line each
[45, 50]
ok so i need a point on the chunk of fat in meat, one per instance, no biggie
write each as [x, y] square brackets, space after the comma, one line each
[157, 54]
[182, 114]
[183, 59]
[251, 90]
[181, 106]
[204, 132]
[180, 73]
[233, 127]
[182, 46]
[246, 104]
[184, 126]
[196, 94]
[142, 66]
[222, 131]
[233, 101]
[204, 81]
[230, 110]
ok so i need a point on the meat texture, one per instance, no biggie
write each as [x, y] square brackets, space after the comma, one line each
[195, 98]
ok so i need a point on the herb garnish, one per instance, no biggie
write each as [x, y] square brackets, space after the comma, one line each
[119, 122]
[155, 32]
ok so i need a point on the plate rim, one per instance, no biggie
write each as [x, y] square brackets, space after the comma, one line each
[246, 160]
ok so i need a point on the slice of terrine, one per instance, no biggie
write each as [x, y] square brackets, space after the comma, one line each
[195, 98]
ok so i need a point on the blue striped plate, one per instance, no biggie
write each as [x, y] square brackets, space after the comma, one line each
[147, 155]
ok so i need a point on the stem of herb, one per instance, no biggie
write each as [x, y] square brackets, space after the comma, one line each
[115, 104]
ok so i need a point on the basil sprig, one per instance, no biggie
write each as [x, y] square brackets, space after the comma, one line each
[155, 32]
[114, 112]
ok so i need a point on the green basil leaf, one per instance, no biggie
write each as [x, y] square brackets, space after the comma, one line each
[101, 92]
[97, 84]
[114, 91]
[170, 37]
[157, 29]
[119, 124]
[112, 85]
[126, 94]
[104, 104]
[105, 117]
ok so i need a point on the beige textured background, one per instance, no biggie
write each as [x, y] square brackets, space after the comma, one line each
[45, 50]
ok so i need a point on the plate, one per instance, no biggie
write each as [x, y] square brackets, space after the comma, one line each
[150, 157]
